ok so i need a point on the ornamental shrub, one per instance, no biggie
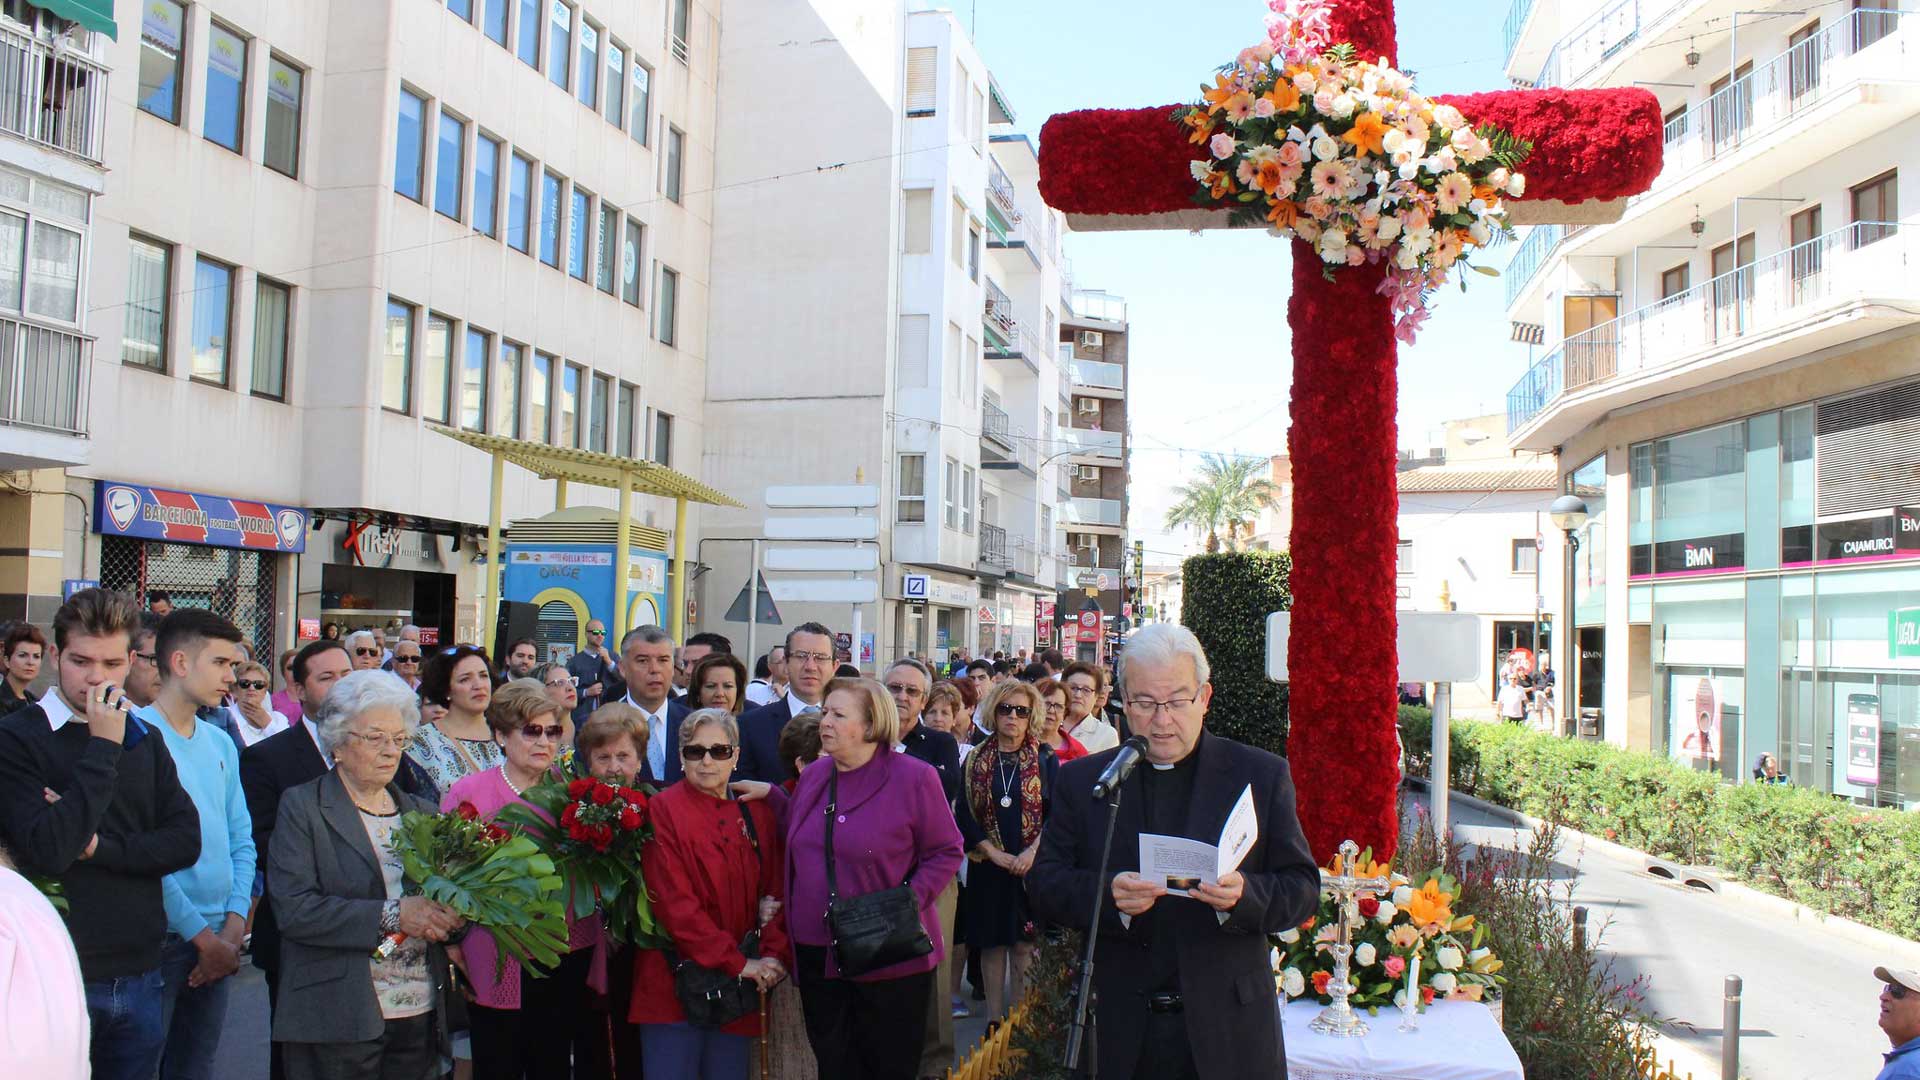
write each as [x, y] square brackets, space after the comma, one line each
[1227, 599]
[1813, 848]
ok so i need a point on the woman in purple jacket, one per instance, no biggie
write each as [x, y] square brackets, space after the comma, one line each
[891, 825]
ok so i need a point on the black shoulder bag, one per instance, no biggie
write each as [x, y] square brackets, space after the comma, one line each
[876, 930]
[711, 998]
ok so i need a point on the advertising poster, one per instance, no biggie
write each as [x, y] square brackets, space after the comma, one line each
[1863, 739]
[1696, 716]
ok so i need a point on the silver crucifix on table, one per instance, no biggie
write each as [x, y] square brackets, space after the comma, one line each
[1339, 1019]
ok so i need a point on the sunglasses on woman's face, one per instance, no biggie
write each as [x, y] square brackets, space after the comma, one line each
[533, 732]
[1008, 708]
[722, 752]
[249, 684]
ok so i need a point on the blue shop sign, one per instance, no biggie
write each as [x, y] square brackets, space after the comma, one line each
[185, 517]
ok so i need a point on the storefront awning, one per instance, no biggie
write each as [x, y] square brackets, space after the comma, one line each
[592, 467]
[95, 15]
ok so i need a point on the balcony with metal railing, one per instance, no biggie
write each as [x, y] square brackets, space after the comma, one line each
[1091, 512]
[52, 94]
[995, 425]
[993, 549]
[998, 316]
[44, 379]
[1832, 289]
[1000, 192]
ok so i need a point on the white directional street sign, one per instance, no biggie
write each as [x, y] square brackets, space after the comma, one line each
[844, 559]
[823, 528]
[1434, 646]
[824, 590]
[823, 497]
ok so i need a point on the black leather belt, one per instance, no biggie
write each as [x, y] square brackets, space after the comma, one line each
[1164, 1003]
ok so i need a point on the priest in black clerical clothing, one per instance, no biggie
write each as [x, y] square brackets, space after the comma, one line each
[1185, 984]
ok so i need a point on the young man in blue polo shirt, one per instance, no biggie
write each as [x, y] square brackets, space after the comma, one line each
[206, 903]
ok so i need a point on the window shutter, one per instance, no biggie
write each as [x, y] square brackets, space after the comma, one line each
[910, 365]
[922, 77]
[917, 220]
[1868, 451]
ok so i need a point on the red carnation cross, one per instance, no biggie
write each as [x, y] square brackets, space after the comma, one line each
[1128, 169]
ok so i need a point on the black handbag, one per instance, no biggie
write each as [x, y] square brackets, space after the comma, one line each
[875, 930]
[711, 998]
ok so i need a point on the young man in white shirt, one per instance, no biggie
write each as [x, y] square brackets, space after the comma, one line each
[1513, 702]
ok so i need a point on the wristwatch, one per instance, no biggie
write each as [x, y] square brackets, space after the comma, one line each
[390, 917]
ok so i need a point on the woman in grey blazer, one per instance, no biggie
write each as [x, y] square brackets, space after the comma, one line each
[337, 889]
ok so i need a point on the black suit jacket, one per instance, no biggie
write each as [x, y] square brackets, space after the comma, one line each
[676, 712]
[269, 769]
[760, 741]
[1226, 978]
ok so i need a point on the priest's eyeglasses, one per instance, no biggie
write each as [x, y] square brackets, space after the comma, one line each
[1147, 708]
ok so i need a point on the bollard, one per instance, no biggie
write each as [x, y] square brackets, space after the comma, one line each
[1579, 929]
[1730, 1031]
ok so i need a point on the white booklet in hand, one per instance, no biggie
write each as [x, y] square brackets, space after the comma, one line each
[1180, 863]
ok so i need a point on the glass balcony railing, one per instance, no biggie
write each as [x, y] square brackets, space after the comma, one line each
[1099, 374]
[52, 95]
[43, 377]
[1099, 304]
[1092, 512]
[1091, 441]
[1540, 242]
[1767, 297]
[1517, 13]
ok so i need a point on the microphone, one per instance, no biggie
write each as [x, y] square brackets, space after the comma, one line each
[1123, 763]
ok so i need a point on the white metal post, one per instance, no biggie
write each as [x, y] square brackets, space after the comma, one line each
[1438, 787]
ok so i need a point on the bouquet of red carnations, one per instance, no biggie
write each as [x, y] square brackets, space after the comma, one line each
[592, 830]
[493, 878]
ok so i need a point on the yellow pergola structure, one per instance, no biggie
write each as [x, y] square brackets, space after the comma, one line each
[565, 465]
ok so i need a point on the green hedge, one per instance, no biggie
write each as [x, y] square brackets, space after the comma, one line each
[1818, 850]
[1226, 599]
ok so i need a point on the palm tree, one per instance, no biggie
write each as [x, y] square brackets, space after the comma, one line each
[1227, 496]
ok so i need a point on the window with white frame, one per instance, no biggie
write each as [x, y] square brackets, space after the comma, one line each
[910, 488]
[966, 499]
[1526, 557]
[43, 229]
[950, 490]
[1403, 557]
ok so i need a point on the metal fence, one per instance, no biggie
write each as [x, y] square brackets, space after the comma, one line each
[43, 376]
[52, 94]
[233, 583]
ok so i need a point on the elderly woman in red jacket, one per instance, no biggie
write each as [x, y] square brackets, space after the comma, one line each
[714, 872]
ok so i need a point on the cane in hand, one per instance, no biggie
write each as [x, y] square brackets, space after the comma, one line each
[766, 1046]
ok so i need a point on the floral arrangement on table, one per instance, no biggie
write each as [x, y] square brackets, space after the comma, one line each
[492, 877]
[1343, 153]
[1388, 932]
[593, 830]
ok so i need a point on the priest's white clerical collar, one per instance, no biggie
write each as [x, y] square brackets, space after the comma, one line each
[1163, 768]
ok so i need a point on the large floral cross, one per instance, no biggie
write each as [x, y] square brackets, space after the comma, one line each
[1134, 169]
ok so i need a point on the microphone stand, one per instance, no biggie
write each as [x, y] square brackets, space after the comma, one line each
[1083, 995]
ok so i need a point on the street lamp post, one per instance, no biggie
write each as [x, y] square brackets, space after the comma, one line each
[1569, 515]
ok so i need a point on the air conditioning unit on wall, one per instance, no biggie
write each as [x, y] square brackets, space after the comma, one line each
[1090, 472]
[1087, 406]
[1092, 339]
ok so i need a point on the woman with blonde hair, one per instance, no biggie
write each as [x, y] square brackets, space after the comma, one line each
[1007, 787]
[864, 820]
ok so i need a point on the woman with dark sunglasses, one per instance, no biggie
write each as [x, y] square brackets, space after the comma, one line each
[522, 1023]
[714, 878]
[1007, 787]
[255, 718]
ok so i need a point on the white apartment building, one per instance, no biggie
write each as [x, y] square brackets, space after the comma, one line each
[326, 227]
[54, 81]
[891, 283]
[1471, 514]
[1729, 383]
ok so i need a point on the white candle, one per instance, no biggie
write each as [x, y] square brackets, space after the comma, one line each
[1413, 982]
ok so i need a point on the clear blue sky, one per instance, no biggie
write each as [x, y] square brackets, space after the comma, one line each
[1208, 371]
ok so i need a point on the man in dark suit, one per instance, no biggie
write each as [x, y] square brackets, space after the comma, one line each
[810, 666]
[1185, 984]
[281, 762]
[646, 664]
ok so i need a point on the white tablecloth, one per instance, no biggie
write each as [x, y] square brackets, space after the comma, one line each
[1457, 1040]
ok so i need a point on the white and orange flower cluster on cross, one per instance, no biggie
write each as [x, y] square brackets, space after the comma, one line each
[1347, 156]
